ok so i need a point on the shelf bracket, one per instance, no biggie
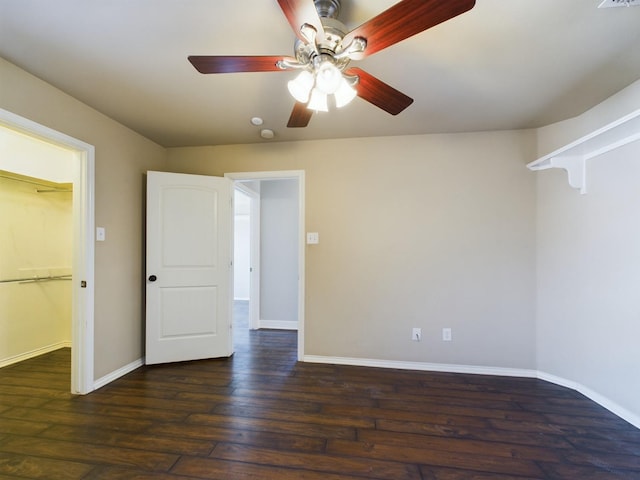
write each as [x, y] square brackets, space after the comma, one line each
[574, 165]
[575, 168]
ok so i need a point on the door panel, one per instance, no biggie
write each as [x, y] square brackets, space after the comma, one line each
[189, 227]
[197, 304]
[188, 267]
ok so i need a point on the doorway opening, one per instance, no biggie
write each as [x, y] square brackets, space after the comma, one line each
[270, 231]
[78, 161]
[246, 257]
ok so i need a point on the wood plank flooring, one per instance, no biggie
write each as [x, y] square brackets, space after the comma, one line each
[262, 415]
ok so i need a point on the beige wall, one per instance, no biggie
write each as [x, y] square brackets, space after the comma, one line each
[419, 231]
[35, 241]
[122, 157]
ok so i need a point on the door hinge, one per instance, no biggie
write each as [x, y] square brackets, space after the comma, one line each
[83, 284]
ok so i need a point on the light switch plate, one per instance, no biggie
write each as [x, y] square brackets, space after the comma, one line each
[313, 238]
[101, 234]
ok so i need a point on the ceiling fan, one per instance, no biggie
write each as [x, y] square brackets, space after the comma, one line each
[324, 48]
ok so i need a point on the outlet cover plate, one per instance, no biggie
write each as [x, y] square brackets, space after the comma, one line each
[446, 335]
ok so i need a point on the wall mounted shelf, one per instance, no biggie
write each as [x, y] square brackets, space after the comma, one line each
[573, 156]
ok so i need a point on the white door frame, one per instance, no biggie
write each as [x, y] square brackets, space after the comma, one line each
[288, 175]
[254, 253]
[82, 349]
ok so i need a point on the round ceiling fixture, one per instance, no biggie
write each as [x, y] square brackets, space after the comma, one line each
[257, 121]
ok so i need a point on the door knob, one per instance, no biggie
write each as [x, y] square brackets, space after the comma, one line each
[152, 278]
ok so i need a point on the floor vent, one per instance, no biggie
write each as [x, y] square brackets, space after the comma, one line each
[619, 3]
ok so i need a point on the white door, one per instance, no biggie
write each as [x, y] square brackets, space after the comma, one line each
[188, 278]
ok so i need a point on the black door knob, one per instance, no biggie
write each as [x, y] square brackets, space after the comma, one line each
[152, 278]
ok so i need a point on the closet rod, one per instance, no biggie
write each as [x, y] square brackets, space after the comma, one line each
[54, 191]
[37, 279]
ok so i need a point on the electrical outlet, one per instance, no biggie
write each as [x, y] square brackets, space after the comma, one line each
[446, 335]
[416, 334]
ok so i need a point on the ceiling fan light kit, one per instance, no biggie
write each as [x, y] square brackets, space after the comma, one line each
[324, 48]
[314, 85]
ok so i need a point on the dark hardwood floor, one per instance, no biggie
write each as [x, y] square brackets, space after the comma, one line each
[262, 415]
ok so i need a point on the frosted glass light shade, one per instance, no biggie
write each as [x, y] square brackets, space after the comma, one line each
[300, 87]
[318, 101]
[345, 93]
[328, 78]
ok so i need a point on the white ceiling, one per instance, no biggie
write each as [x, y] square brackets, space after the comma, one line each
[506, 64]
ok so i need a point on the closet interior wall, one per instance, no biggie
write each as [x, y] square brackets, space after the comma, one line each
[35, 267]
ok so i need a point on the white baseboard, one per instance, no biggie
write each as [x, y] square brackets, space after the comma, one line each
[33, 353]
[110, 377]
[613, 407]
[421, 366]
[601, 400]
[278, 324]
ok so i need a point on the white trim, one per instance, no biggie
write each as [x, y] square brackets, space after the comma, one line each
[285, 175]
[82, 350]
[121, 372]
[601, 400]
[279, 324]
[421, 366]
[33, 353]
[240, 299]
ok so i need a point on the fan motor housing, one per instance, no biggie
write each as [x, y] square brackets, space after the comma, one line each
[328, 8]
[328, 44]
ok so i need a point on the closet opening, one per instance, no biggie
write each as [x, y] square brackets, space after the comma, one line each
[46, 246]
[35, 264]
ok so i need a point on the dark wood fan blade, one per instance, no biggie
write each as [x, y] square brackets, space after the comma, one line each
[405, 19]
[232, 64]
[299, 12]
[300, 116]
[378, 93]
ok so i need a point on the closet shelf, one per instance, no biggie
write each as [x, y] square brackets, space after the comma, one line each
[573, 156]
